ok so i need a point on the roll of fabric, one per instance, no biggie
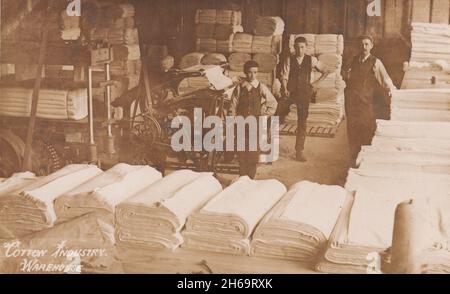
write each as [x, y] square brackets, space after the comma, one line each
[267, 45]
[223, 32]
[229, 17]
[227, 221]
[103, 193]
[299, 226]
[206, 45]
[52, 104]
[191, 59]
[204, 31]
[126, 52]
[206, 16]
[269, 26]
[154, 217]
[237, 61]
[30, 208]
[242, 43]
[267, 62]
[311, 43]
[213, 59]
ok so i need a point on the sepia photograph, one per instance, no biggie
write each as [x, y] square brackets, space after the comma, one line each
[225, 137]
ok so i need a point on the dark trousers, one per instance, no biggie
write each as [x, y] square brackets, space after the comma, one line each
[302, 104]
[248, 162]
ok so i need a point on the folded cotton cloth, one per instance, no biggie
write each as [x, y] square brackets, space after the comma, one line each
[226, 223]
[154, 217]
[29, 208]
[104, 192]
[299, 226]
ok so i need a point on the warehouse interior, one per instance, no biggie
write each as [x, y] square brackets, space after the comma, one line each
[90, 88]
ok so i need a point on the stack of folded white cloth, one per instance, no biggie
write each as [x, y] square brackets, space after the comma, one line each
[226, 223]
[27, 209]
[299, 226]
[154, 217]
[430, 42]
[104, 192]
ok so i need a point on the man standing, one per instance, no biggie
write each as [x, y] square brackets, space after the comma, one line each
[298, 87]
[364, 75]
[251, 98]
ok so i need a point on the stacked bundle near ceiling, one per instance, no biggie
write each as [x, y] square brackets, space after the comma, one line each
[299, 226]
[29, 208]
[329, 107]
[114, 24]
[215, 29]
[430, 57]
[154, 217]
[226, 223]
[103, 193]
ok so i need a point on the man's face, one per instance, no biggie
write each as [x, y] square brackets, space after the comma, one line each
[300, 49]
[366, 46]
[252, 74]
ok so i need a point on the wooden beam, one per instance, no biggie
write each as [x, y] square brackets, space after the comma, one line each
[440, 11]
[421, 10]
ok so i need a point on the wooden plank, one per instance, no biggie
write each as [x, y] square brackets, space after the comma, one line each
[356, 18]
[312, 16]
[440, 11]
[421, 10]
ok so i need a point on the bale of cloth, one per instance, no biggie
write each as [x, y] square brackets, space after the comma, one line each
[329, 44]
[52, 104]
[223, 32]
[269, 26]
[325, 114]
[430, 42]
[116, 36]
[421, 237]
[126, 52]
[242, 43]
[154, 217]
[423, 130]
[229, 17]
[213, 59]
[310, 39]
[82, 245]
[332, 61]
[29, 208]
[237, 60]
[267, 62]
[206, 45]
[206, 16]
[268, 45]
[374, 158]
[125, 68]
[225, 46]
[191, 59]
[226, 222]
[415, 115]
[204, 31]
[410, 144]
[427, 99]
[103, 193]
[299, 226]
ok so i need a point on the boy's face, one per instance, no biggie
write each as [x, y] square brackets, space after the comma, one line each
[252, 74]
[300, 49]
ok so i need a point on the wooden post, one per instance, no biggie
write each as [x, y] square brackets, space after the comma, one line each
[27, 162]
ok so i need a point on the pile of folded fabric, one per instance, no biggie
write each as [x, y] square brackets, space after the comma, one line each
[52, 104]
[430, 42]
[190, 60]
[30, 208]
[213, 59]
[114, 24]
[328, 109]
[103, 193]
[299, 226]
[421, 105]
[82, 245]
[424, 75]
[226, 223]
[215, 29]
[269, 26]
[154, 217]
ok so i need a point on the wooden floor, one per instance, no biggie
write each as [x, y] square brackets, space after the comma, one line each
[185, 261]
